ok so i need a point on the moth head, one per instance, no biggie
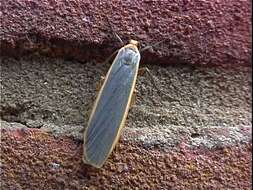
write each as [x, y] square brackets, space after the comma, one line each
[134, 42]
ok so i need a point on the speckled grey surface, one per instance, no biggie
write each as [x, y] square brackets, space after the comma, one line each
[195, 105]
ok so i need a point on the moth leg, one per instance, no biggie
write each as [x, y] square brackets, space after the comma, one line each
[86, 116]
[91, 103]
[98, 87]
[144, 70]
[133, 98]
[99, 84]
[110, 57]
[141, 71]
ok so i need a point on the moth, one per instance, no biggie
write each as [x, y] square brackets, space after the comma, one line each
[111, 106]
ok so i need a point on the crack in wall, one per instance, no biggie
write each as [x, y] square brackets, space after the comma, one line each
[39, 92]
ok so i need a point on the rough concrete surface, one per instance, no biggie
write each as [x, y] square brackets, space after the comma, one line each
[197, 32]
[33, 159]
[190, 126]
[195, 108]
[185, 101]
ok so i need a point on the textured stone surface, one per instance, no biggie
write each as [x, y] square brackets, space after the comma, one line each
[197, 32]
[191, 129]
[31, 159]
[202, 106]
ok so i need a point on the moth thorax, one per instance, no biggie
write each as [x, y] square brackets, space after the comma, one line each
[134, 42]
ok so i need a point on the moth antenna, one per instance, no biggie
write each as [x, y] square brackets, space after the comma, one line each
[110, 57]
[114, 33]
[154, 45]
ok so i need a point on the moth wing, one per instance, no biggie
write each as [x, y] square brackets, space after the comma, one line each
[111, 107]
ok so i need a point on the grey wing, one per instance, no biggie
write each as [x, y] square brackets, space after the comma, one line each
[104, 124]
